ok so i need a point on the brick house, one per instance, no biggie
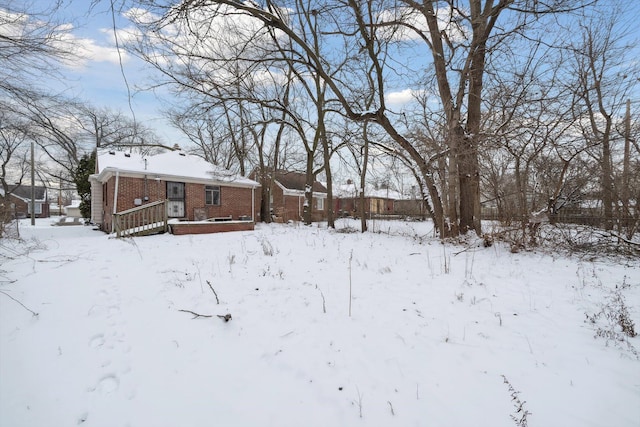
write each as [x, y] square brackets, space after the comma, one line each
[195, 189]
[378, 202]
[20, 201]
[287, 197]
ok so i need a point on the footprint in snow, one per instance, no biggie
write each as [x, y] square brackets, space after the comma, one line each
[96, 341]
[83, 418]
[107, 384]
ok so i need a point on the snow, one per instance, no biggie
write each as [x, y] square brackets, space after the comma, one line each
[434, 331]
[175, 164]
[351, 190]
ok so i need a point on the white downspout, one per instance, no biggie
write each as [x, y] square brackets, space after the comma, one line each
[115, 200]
[253, 204]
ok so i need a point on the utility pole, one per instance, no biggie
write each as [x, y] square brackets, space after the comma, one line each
[33, 188]
[60, 196]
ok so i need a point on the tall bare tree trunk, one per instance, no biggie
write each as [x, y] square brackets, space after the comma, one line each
[363, 180]
[307, 209]
[326, 152]
[626, 212]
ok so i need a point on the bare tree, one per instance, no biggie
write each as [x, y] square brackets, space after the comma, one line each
[528, 110]
[32, 44]
[605, 77]
[13, 154]
[14, 164]
[460, 39]
[207, 134]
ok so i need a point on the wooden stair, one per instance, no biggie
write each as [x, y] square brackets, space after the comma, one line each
[142, 220]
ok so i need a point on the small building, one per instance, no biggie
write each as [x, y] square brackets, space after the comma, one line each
[288, 198]
[410, 207]
[194, 189]
[73, 209]
[377, 202]
[19, 200]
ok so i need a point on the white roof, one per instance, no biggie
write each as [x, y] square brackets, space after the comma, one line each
[352, 190]
[175, 165]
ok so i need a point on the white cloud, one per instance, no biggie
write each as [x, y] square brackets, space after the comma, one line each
[204, 35]
[88, 50]
[81, 51]
[449, 22]
[402, 97]
[141, 16]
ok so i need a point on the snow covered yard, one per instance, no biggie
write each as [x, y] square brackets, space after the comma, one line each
[437, 336]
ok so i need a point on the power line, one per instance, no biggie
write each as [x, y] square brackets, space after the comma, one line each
[124, 77]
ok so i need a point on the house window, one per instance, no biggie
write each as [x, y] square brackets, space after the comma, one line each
[212, 195]
[320, 204]
[38, 208]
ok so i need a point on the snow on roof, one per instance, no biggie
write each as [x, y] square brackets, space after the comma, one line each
[297, 181]
[384, 193]
[23, 192]
[170, 164]
[352, 190]
[345, 190]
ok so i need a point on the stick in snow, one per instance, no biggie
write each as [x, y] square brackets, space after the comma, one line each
[23, 306]
[196, 315]
[214, 292]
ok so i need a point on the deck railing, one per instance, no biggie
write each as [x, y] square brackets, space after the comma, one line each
[142, 220]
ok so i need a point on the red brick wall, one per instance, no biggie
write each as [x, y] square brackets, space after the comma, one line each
[211, 227]
[233, 201]
[22, 208]
[292, 207]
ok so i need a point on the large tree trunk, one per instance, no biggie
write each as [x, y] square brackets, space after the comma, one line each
[363, 180]
[327, 169]
[470, 173]
[468, 178]
[307, 209]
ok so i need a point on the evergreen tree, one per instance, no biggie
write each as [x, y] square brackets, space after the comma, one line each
[86, 167]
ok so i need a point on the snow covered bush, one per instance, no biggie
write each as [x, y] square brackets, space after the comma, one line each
[613, 322]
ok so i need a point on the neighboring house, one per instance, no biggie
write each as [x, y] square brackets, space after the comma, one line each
[195, 189]
[411, 207]
[287, 199]
[20, 201]
[376, 202]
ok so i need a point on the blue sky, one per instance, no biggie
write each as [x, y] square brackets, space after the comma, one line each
[99, 80]
[99, 76]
